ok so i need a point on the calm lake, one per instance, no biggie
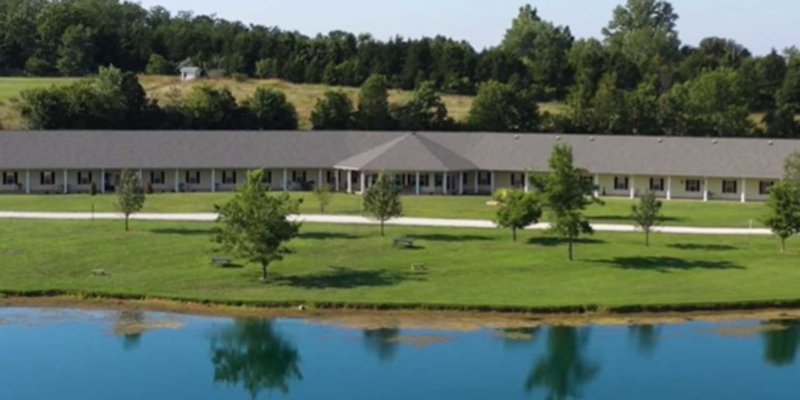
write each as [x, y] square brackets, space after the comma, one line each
[72, 354]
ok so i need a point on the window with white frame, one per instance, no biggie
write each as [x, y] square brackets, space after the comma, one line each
[158, 177]
[193, 177]
[424, 180]
[10, 178]
[228, 177]
[656, 184]
[47, 178]
[84, 177]
[765, 186]
[517, 179]
[621, 183]
[438, 180]
[730, 186]
[484, 178]
[692, 185]
[299, 176]
[267, 177]
[330, 176]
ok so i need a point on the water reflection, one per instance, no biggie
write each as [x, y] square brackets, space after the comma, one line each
[125, 326]
[252, 353]
[563, 370]
[645, 338]
[781, 345]
[382, 342]
[514, 338]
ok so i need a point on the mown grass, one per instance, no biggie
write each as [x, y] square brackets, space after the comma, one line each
[615, 210]
[340, 265]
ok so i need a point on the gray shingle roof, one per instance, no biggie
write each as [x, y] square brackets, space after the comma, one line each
[410, 152]
[400, 151]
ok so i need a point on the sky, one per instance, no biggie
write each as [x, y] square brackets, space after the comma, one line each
[760, 25]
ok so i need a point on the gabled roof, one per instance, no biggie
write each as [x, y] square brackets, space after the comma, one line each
[410, 152]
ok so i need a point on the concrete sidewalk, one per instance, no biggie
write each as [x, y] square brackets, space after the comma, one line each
[361, 220]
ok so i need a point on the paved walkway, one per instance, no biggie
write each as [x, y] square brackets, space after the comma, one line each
[360, 220]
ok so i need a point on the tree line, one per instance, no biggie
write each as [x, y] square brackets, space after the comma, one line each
[637, 79]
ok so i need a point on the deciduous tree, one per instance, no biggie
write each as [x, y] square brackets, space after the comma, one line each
[382, 200]
[333, 111]
[647, 214]
[784, 211]
[517, 211]
[255, 223]
[130, 195]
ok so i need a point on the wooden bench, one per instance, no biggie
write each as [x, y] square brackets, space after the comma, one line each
[404, 242]
[222, 261]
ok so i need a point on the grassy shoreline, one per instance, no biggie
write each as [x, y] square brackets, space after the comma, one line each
[350, 267]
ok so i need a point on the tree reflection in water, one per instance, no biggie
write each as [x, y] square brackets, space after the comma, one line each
[252, 353]
[564, 370]
[645, 338]
[382, 342]
[128, 326]
[781, 346]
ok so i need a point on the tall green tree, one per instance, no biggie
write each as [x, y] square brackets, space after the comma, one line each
[784, 211]
[382, 200]
[255, 224]
[424, 112]
[566, 194]
[270, 110]
[517, 211]
[643, 31]
[499, 107]
[373, 104]
[130, 195]
[647, 214]
[76, 53]
[542, 46]
[207, 107]
[333, 111]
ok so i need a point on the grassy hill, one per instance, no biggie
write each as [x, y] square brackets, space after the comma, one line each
[303, 96]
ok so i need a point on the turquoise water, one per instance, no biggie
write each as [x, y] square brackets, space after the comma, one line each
[69, 354]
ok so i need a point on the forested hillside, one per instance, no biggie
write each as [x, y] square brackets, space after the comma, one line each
[639, 78]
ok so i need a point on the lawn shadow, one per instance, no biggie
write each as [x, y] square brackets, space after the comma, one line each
[440, 237]
[552, 241]
[702, 247]
[327, 235]
[627, 218]
[667, 264]
[182, 231]
[345, 278]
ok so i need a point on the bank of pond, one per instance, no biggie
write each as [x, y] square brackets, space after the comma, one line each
[68, 353]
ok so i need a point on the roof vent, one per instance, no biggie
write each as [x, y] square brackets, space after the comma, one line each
[660, 140]
[558, 137]
[591, 139]
[771, 142]
[715, 141]
[516, 137]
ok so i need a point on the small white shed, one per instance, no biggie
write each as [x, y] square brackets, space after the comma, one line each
[191, 73]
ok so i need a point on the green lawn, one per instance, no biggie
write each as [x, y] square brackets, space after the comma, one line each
[11, 87]
[687, 213]
[348, 264]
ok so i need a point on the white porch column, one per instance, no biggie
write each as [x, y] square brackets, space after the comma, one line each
[177, 181]
[669, 188]
[285, 180]
[66, 179]
[461, 183]
[744, 190]
[320, 184]
[527, 182]
[632, 184]
[416, 184]
[363, 181]
[596, 190]
[336, 180]
[476, 182]
[444, 183]
[350, 181]
[213, 180]
[28, 181]
[102, 181]
[705, 189]
[491, 184]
